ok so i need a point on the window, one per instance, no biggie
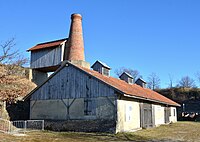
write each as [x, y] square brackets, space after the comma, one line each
[105, 71]
[174, 112]
[89, 106]
[130, 80]
[169, 110]
[128, 112]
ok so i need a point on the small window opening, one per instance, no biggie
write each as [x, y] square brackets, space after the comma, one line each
[105, 72]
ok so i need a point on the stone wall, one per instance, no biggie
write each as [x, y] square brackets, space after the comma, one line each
[81, 125]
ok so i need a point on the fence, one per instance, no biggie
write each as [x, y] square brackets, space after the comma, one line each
[21, 125]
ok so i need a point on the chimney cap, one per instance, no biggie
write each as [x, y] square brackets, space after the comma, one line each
[75, 16]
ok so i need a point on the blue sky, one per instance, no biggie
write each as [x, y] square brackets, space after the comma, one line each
[161, 36]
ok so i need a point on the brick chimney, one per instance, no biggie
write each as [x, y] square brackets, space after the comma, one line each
[75, 43]
[74, 51]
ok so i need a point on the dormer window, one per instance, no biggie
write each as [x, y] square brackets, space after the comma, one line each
[141, 82]
[105, 71]
[130, 80]
[126, 77]
[101, 68]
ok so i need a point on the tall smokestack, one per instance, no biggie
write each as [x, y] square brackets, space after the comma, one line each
[75, 43]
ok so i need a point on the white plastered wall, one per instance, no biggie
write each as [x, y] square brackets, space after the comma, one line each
[173, 117]
[128, 116]
[159, 115]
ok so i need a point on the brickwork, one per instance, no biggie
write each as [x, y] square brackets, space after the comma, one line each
[75, 43]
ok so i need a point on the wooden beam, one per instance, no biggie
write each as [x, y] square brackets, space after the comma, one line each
[68, 105]
[33, 104]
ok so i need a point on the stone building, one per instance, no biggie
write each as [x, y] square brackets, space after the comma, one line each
[78, 98]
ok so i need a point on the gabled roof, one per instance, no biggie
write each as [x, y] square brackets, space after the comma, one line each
[130, 90]
[126, 74]
[50, 44]
[102, 63]
[141, 80]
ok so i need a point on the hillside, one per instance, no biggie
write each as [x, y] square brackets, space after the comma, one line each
[14, 84]
[181, 95]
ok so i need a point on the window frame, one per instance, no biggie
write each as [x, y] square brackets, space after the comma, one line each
[105, 71]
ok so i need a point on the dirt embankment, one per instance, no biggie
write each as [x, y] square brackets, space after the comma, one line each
[14, 84]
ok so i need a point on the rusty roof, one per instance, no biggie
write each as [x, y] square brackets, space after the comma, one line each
[50, 44]
[133, 90]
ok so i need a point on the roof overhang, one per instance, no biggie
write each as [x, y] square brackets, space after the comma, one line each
[151, 100]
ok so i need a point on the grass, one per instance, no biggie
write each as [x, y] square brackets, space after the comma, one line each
[177, 132]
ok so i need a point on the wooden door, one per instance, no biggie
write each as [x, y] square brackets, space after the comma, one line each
[167, 114]
[146, 115]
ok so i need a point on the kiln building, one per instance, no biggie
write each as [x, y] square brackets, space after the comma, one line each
[78, 98]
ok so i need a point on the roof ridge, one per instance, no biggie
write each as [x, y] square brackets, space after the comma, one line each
[51, 41]
[49, 44]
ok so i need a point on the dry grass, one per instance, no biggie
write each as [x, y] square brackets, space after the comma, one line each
[177, 132]
[14, 86]
[181, 131]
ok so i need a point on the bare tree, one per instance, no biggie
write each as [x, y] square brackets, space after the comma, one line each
[171, 81]
[10, 56]
[187, 82]
[133, 73]
[7, 54]
[153, 81]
